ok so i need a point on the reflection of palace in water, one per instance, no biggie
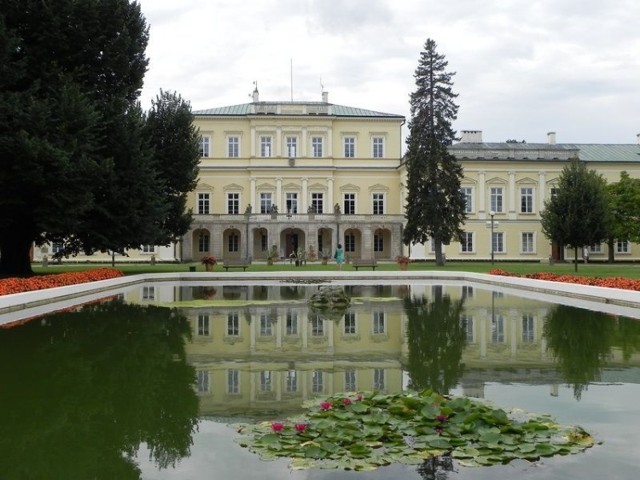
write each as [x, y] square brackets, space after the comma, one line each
[262, 349]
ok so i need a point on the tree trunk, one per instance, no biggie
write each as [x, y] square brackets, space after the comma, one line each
[611, 244]
[15, 255]
[438, 250]
[575, 259]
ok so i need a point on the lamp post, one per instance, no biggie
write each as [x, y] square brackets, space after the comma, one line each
[492, 214]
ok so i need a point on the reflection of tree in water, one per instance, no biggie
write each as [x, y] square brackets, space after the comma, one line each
[580, 340]
[82, 390]
[436, 341]
[628, 337]
[436, 468]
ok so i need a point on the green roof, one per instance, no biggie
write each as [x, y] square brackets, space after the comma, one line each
[295, 109]
[589, 152]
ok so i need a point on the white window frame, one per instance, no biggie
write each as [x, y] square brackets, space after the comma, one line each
[467, 242]
[467, 192]
[496, 199]
[266, 146]
[379, 323]
[291, 202]
[203, 206]
[204, 242]
[233, 324]
[350, 324]
[349, 200]
[528, 328]
[378, 242]
[205, 146]
[378, 203]
[291, 323]
[233, 381]
[597, 248]
[498, 240]
[349, 147]
[377, 147]
[233, 146]
[317, 202]
[266, 202]
[233, 203]
[526, 200]
[291, 144]
[204, 325]
[317, 146]
[150, 249]
[527, 246]
[623, 246]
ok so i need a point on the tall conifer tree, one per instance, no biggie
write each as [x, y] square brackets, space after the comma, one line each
[435, 206]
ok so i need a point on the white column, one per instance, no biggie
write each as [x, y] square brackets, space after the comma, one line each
[542, 190]
[512, 192]
[482, 193]
[305, 195]
[278, 143]
[331, 200]
[303, 146]
[252, 195]
[278, 200]
[252, 149]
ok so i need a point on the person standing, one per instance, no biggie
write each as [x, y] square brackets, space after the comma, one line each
[585, 254]
[339, 256]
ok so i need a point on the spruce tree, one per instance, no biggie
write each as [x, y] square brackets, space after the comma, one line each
[435, 206]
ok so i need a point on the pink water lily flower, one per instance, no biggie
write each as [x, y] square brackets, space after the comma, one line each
[441, 418]
[346, 401]
[300, 427]
[277, 426]
[325, 405]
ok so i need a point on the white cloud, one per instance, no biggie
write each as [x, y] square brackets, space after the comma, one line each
[522, 68]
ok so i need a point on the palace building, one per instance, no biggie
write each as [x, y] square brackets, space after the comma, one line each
[303, 176]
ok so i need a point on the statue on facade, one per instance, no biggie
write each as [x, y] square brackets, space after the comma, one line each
[336, 209]
[247, 211]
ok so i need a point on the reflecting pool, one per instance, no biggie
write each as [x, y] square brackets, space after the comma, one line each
[144, 383]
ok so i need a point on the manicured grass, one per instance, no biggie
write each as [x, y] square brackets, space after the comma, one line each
[589, 270]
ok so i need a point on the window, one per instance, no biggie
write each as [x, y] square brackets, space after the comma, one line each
[265, 381]
[233, 324]
[203, 324]
[349, 147]
[316, 146]
[527, 242]
[554, 191]
[466, 242]
[349, 242]
[317, 202]
[292, 323]
[526, 200]
[317, 381]
[265, 202]
[378, 379]
[291, 381]
[467, 326]
[292, 202]
[378, 242]
[233, 242]
[233, 147]
[146, 249]
[378, 203]
[204, 146]
[265, 325]
[265, 146]
[204, 203]
[497, 329]
[317, 327]
[292, 146]
[467, 291]
[622, 247]
[148, 293]
[349, 203]
[56, 247]
[378, 323]
[203, 381]
[350, 323]
[233, 382]
[498, 242]
[528, 329]
[203, 243]
[263, 242]
[350, 380]
[233, 203]
[595, 248]
[378, 147]
[467, 193]
[496, 199]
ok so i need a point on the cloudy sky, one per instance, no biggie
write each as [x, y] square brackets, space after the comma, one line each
[523, 68]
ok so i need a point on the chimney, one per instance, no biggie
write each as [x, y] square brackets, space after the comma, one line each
[256, 96]
[471, 136]
[551, 137]
[325, 97]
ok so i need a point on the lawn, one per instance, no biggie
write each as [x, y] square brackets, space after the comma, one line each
[589, 270]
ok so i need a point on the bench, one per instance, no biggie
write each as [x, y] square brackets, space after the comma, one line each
[236, 263]
[364, 263]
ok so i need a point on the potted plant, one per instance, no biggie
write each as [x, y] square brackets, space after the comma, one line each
[403, 261]
[272, 255]
[209, 262]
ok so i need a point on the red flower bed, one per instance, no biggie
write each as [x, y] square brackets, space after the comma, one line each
[613, 282]
[38, 282]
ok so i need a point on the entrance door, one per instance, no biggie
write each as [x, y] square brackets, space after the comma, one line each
[291, 240]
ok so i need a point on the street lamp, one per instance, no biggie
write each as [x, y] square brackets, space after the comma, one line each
[492, 214]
